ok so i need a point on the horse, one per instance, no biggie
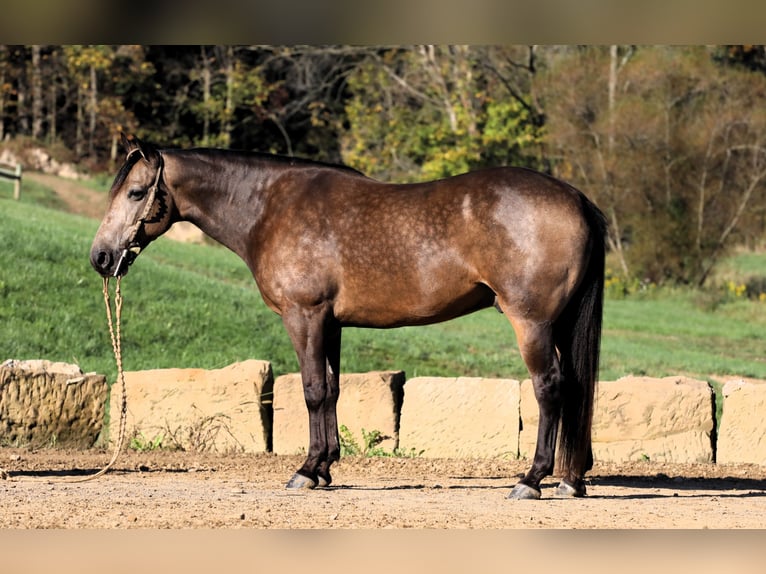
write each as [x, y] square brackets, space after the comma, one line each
[329, 248]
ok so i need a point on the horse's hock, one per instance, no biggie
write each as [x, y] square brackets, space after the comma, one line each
[221, 410]
[43, 403]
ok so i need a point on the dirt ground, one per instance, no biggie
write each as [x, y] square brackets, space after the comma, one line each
[77, 198]
[164, 489]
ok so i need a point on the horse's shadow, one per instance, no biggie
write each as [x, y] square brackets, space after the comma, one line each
[658, 486]
[42, 474]
[79, 473]
[664, 486]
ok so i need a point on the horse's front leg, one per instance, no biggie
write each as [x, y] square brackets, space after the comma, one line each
[332, 379]
[307, 330]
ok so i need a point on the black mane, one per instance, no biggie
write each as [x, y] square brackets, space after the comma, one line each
[266, 157]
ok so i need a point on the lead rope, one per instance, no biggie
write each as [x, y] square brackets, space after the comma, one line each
[116, 336]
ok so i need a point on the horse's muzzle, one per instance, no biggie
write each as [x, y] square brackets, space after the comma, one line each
[113, 264]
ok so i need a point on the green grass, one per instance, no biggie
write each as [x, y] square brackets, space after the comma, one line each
[197, 306]
[742, 265]
[671, 334]
[31, 193]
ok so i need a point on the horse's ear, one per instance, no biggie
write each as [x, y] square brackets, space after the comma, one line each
[150, 153]
[131, 143]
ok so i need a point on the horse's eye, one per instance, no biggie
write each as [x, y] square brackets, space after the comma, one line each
[137, 194]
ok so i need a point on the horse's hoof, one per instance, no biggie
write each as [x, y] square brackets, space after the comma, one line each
[567, 490]
[300, 482]
[323, 482]
[524, 492]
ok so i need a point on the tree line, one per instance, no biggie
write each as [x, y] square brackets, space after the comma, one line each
[669, 141]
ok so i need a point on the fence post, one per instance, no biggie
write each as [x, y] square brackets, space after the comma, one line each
[17, 183]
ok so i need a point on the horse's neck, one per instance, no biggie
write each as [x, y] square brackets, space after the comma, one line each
[221, 199]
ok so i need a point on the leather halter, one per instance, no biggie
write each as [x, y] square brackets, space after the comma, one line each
[132, 247]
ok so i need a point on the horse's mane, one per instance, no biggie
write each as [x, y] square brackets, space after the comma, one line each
[245, 156]
[266, 158]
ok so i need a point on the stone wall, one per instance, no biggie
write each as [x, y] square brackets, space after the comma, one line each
[50, 404]
[241, 408]
[640, 418]
[667, 420]
[222, 410]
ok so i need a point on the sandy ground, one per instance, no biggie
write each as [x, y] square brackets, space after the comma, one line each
[185, 490]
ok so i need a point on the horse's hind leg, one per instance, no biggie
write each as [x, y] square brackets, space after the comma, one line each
[538, 351]
[574, 459]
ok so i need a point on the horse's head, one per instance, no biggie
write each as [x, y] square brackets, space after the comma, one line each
[140, 210]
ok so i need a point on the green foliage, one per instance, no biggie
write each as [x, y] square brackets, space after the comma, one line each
[140, 443]
[424, 114]
[617, 286]
[371, 440]
[668, 143]
[237, 87]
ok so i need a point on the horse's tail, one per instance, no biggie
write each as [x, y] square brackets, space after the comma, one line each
[578, 338]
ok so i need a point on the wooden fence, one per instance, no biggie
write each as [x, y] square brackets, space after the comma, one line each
[12, 172]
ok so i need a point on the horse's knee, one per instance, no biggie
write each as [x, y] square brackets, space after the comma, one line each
[314, 393]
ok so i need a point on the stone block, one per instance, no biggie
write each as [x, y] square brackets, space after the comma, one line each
[460, 417]
[221, 410]
[43, 403]
[665, 420]
[640, 418]
[742, 434]
[369, 401]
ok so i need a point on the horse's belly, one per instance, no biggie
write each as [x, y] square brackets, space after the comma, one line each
[390, 305]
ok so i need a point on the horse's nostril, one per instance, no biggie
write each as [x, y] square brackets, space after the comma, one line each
[103, 261]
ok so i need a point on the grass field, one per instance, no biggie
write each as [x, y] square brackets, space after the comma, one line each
[197, 306]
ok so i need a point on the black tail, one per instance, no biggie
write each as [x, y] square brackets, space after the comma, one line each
[578, 337]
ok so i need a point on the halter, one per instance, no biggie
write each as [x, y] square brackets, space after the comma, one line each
[132, 247]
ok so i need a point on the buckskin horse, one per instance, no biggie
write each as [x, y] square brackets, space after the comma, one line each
[329, 247]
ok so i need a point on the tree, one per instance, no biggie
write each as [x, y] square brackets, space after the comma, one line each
[669, 143]
[304, 113]
[228, 84]
[5, 87]
[37, 93]
[425, 112]
[85, 63]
